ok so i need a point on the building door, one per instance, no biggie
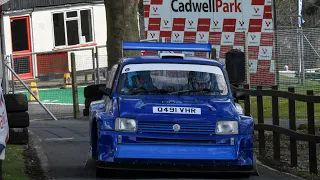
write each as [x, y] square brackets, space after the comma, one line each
[21, 46]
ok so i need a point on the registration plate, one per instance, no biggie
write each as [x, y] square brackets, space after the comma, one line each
[176, 110]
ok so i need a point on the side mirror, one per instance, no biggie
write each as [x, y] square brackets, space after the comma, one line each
[240, 96]
[235, 66]
[236, 94]
[105, 91]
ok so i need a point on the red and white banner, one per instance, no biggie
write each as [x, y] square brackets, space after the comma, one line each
[221, 23]
[3, 2]
[4, 126]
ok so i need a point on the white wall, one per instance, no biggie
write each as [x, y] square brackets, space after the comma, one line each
[43, 37]
[84, 58]
[7, 46]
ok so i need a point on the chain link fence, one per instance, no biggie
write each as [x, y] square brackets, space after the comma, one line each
[294, 61]
[286, 58]
[48, 76]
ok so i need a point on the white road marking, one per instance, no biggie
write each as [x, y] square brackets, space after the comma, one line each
[46, 89]
[67, 104]
[58, 139]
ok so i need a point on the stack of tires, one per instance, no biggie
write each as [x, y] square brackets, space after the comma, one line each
[18, 118]
[92, 93]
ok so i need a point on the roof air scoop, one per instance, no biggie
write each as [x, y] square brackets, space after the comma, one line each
[172, 55]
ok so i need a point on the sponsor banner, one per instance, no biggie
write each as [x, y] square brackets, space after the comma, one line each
[221, 23]
[254, 39]
[227, 39]
[4, 126]
[202, 37]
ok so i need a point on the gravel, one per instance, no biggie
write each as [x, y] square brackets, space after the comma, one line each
[302, 169]
[32, 164]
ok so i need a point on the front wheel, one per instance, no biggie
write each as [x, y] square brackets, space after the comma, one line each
[99, 172]
[244, 175]
[105, 173]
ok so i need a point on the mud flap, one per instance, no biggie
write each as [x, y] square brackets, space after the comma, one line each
[255, 167]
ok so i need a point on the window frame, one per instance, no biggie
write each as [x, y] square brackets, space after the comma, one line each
[78, 18]
[111, 76]
[223, 74]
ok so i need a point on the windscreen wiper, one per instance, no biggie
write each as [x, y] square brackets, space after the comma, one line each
[139, 90]
[143, 90]
[195, 90]
[159, 91]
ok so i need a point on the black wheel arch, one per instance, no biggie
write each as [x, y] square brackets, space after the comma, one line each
[94, 137]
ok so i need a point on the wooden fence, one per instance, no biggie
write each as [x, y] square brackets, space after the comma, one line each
[261, 127]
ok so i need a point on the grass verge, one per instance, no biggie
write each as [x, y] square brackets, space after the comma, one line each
[301, 109]
[21, 162]
[13, 165]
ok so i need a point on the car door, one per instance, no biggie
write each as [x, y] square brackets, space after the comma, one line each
[111, 74]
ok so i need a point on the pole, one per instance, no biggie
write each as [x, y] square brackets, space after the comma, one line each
[97, 60]
[94, 66]
[275, 43]
[5, 80]
[302, 58]
[300, 43]
[12, 76]
[246, 52]
[76, 111]
[299, 53]
[35, 97]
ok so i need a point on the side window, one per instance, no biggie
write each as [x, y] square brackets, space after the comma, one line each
[110, 76]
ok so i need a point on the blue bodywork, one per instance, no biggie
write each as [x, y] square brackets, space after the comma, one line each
[155, 141]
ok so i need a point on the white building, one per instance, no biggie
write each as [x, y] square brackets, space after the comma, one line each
[33, 26]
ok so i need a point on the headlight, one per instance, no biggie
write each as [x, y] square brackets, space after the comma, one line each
[126, 125]
[239, 109]
[227, 127]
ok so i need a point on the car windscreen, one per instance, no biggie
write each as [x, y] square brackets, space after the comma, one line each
[171, 78]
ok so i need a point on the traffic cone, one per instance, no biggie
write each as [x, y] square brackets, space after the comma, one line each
[34, 90]
[67, 81]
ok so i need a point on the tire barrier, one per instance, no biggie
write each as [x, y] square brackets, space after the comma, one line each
[91, 93]
[18, 118]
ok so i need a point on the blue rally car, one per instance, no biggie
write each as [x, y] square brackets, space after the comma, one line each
[170, 112]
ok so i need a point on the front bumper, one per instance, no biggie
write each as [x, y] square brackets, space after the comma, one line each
[201, 154]
[138, 166]
[170, 151]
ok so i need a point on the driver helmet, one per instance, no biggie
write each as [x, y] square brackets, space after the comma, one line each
[140, 79]
[200, 80]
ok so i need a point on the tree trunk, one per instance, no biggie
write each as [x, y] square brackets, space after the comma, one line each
[122, 25]
[141, 19]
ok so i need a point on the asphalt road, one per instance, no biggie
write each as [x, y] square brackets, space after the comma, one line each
[64, 145]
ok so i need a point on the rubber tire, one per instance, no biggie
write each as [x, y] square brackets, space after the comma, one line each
[18, 120]
[18, 136]
[88, 101]
[93, 91]
[244, 175]
[85, 112]
[16, 102]
[100, 172]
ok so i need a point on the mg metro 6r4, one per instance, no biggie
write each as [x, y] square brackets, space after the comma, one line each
[170, 112]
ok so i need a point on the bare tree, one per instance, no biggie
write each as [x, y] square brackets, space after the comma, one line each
[122, 25]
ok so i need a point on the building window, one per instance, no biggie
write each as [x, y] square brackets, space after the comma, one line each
[72, 27]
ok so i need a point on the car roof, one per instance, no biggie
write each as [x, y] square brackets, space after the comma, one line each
[158, 59]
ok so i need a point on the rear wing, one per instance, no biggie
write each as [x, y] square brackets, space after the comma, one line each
[160, 46]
